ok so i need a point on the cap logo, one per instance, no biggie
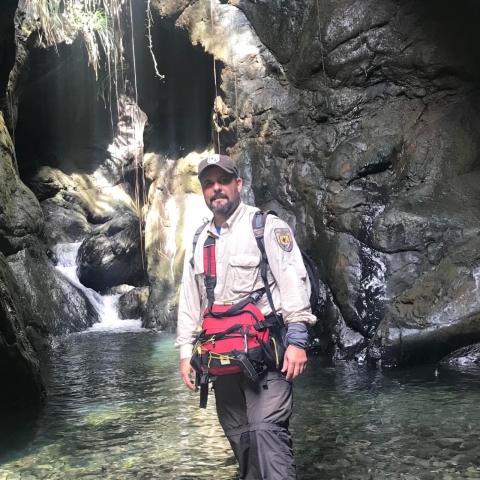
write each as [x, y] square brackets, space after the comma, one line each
[212, 159]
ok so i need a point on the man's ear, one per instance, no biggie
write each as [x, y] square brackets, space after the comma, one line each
[239, 184]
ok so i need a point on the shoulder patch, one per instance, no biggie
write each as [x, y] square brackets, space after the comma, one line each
[284, 238]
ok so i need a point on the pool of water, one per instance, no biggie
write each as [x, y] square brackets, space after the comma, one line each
[117, 410]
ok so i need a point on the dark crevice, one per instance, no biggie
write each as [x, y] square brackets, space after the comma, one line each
[179, 106]
[7, 45]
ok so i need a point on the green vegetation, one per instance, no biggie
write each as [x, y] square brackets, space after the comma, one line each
[96, 21]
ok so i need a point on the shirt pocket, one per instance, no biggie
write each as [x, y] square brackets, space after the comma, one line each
[245, 272]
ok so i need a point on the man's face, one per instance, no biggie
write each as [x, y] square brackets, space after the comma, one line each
[221, 191]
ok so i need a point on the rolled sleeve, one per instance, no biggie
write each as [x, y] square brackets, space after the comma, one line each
[289, 272]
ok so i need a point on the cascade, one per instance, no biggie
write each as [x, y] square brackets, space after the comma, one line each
[106, 305]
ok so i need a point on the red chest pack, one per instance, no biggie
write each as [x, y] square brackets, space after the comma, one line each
[233, 338]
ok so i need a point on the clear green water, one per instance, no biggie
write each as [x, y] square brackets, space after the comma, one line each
[117, 410]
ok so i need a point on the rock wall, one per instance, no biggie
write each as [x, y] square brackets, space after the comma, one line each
[175, 211]
[19, 369]
[357, 122]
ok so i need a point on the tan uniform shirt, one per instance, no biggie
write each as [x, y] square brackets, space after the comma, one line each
[238, 274]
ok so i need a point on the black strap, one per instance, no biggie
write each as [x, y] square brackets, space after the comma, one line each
[195, 240]
[252, 298]
[219, 336]
[204, 389]
[269, 322]
[258, 224]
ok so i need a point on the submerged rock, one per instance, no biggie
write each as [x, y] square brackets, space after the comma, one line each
[112, 254]
[58, 306]
[464, 356]
[19, 369]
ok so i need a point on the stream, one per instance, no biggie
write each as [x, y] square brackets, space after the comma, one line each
[117, 409]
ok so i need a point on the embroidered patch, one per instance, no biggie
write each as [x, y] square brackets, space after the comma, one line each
[213, 159]
[284, 238]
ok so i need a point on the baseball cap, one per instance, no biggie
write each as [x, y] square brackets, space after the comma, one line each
[215, 160]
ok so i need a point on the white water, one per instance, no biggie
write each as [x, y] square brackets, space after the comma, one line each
[106, 306]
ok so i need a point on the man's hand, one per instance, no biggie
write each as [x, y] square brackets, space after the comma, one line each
[295, 362]
[185, 371]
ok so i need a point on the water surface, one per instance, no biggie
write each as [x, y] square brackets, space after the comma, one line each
[117, 410]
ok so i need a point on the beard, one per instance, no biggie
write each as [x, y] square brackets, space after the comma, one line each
[222, 209]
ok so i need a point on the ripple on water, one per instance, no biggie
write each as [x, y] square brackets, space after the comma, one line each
[117, 410]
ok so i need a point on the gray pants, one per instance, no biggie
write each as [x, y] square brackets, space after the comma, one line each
[254, 417]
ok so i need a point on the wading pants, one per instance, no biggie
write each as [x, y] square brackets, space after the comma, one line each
[254, 417]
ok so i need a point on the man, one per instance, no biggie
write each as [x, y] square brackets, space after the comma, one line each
[253, 415]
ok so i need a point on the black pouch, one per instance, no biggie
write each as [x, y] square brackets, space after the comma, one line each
[274, 350]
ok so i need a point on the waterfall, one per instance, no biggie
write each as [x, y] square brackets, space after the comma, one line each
[106, 305]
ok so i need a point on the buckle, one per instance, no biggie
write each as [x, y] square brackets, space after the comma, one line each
[256, 295]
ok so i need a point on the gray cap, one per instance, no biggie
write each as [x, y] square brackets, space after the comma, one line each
[215, 160]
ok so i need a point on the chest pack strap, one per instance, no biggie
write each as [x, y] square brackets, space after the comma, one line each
[210, 269]
[210, 280]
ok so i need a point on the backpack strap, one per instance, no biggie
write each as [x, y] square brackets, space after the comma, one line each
[258, 224]
[195, 240]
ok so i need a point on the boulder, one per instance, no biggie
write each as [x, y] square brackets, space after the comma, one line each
[133, 304]
[117, 290]
[19, 368]
[58, 305]
[112, 254]
[48, 181]
[74, 211]
[66, 221]
[438, 315]
[465, 356]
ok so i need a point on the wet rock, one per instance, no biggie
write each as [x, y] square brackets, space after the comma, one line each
[464, 356]
[354, 274]
[438, 315]
[48, 181]
[381, 196]
[66, 222]
[133, 303]
[72, 214]
[21, 218]
[58, 306]
[117, 290]
[112, 254]
[19, 368]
